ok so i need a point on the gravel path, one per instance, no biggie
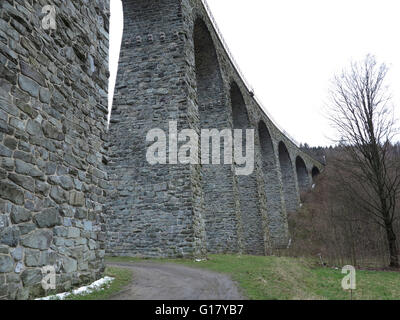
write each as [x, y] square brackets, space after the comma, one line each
[166, 281]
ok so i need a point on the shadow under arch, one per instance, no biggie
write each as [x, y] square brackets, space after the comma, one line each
[275, 205]
[288, 179]
[303, 178]
[315, 173]
[217, 179]
[252, 224]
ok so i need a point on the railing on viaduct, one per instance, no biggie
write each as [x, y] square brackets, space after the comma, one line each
[241, 75]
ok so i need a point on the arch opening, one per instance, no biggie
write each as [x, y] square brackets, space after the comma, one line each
[275, 205]
[303, 179]
[247, 185]
[288, 179]
[217, 180]
[315, 173]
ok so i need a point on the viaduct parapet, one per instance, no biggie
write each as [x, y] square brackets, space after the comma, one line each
[174, 67]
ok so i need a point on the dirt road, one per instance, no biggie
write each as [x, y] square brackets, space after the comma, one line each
[165, 281]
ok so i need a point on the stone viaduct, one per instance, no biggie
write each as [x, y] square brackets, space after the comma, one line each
[70, 191]
[174, 66]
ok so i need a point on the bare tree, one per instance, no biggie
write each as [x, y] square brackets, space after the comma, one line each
[360, 110]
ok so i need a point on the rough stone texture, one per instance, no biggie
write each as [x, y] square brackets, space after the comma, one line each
[53, 118]
[174, 67]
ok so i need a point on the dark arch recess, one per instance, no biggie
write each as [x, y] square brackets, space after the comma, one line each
[303, 178]
[315, 172]
[288, 179]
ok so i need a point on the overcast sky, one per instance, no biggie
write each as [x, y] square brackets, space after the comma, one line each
[289, 51]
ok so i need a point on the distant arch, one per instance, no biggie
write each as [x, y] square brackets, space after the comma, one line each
[217, 180]
[303, 179]
[315, 172]
[275, 206]
[288, 179]
[251, 216]
[210, 87]
[239, 110]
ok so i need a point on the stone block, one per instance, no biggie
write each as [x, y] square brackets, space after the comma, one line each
[31, 277]
[48, 218]
[39, 239]
[6, 263]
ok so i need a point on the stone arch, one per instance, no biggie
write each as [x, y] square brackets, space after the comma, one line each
[275, 205]
[217, 180]
[247, 185]
[315, 172]
[288, 179]
[303, 178]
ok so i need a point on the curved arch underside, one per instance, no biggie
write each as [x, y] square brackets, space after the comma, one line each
[253, 236]
[217, 180]
[275, 205]
[288, 179]
[302, 175]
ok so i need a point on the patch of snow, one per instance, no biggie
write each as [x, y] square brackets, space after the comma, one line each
[200, 260]
[95, 286]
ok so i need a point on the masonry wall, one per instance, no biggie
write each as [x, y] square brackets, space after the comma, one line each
[154, 209]
[53, 110]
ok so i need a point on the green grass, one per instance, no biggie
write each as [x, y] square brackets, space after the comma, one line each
[371, 285]
[122, 278]
[283, 278]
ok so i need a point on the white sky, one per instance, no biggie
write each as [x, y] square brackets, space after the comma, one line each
[289, 50]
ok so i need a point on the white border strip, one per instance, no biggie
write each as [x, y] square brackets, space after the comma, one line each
[95, 286]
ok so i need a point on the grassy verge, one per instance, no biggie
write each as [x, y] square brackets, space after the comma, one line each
[282, 278]
[122, 278]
